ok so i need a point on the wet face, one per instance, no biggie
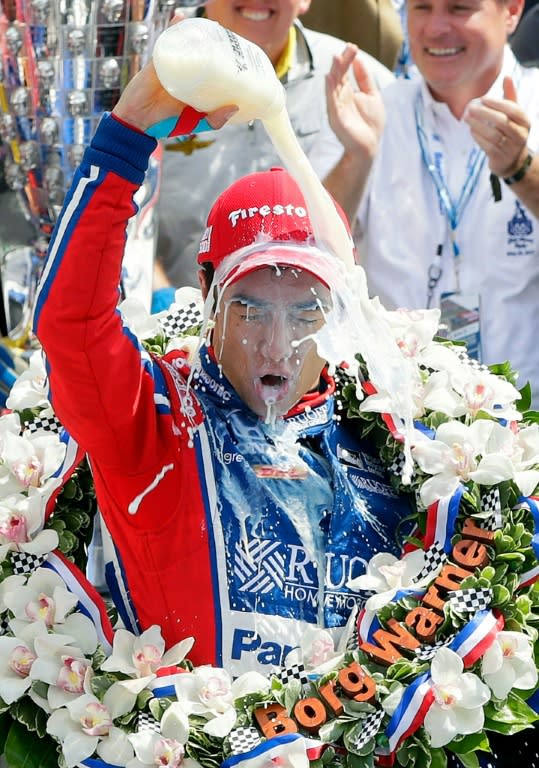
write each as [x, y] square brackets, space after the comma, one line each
[264, 22]
[263, 337]
[458, 44]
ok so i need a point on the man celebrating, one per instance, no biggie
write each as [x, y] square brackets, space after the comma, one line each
[239, 506]
[448, 216]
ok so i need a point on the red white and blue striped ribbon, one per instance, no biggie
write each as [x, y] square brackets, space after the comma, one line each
[476, 637]
[410, 713]
[470, 644]
[441, 519]
[163, 685]
[275, 750]
[90, 601]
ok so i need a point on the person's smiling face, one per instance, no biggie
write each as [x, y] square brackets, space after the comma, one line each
[458, 44]
[262, 337]
[264, 22]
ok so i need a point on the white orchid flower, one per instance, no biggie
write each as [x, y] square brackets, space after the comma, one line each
[21, 525]
[29, 461]
[45, 598]
[10, 424]
[143, 655]
[459, 453]
[209, 691]
[458, 700]
[116, 749]
[166, 748]
[413, 329]
[509, 663]
[63, 667]
[137, 318]
[30, 390]
[387, 574]
[16, 659]
[81, 726]
[316, 651]
[18, 655]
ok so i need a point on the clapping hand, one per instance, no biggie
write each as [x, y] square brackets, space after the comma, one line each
[356, 116]
[501, 129]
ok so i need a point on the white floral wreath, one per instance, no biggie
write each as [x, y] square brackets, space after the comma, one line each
[116, 699]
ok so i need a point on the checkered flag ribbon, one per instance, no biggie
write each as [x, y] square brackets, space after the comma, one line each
[293, 672]
[470, 600]
[179, 320]
[491, 503]
[4, 625]
[371, 726]
[24, 562]
[427, 652]
[434, 558]
[146, 722]
[465, 358]
[45, 423]
[397, 465]
[243, 739]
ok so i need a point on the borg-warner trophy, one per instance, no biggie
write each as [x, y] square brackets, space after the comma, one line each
[63, 63]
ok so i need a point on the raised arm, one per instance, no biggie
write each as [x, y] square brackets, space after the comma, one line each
[101, 381]
[501, 129]
[357, 118]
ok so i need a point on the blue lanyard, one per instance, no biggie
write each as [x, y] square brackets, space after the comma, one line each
[453, 210]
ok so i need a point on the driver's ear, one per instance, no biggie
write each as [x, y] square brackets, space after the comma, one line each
[203, 282]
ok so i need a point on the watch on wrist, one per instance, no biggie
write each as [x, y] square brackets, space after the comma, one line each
[522, 171]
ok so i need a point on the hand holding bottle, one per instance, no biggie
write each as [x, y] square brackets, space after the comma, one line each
[145, 103]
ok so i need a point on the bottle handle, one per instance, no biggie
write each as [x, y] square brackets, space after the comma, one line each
[190, 121]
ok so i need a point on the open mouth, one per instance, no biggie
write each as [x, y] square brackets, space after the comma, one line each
[272, 381]
[271, 388]
[255, 15]
[441, 52]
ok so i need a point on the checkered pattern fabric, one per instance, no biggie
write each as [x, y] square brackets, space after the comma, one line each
[426, 652]
[490, 502]
[4, 626]
[243, 739]
[293, 672]
[45, 423]
[434, 557]
[23, 562]
[180, 320]
[371, 726]
[465, 358]
[397, 465]
[146, 722]
[470, 600]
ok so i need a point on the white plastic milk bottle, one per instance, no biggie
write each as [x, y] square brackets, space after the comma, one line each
[207, 66]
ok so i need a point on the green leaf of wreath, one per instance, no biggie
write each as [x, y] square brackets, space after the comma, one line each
[24, 749]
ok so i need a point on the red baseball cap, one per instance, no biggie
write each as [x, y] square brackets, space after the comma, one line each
[263, 219]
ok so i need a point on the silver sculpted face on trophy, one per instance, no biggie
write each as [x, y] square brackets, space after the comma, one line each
[112, 10]
[14, 40]
[49, 132]
[53, 181]
[29, 153]
[40, 11]
[76, 103]
[20, 102]
[76, 41]
[109, 73]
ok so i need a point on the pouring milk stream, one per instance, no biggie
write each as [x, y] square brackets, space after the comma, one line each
[207, 66]
[202, 64]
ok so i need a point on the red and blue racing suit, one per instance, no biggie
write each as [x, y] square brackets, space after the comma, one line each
[225, 528]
